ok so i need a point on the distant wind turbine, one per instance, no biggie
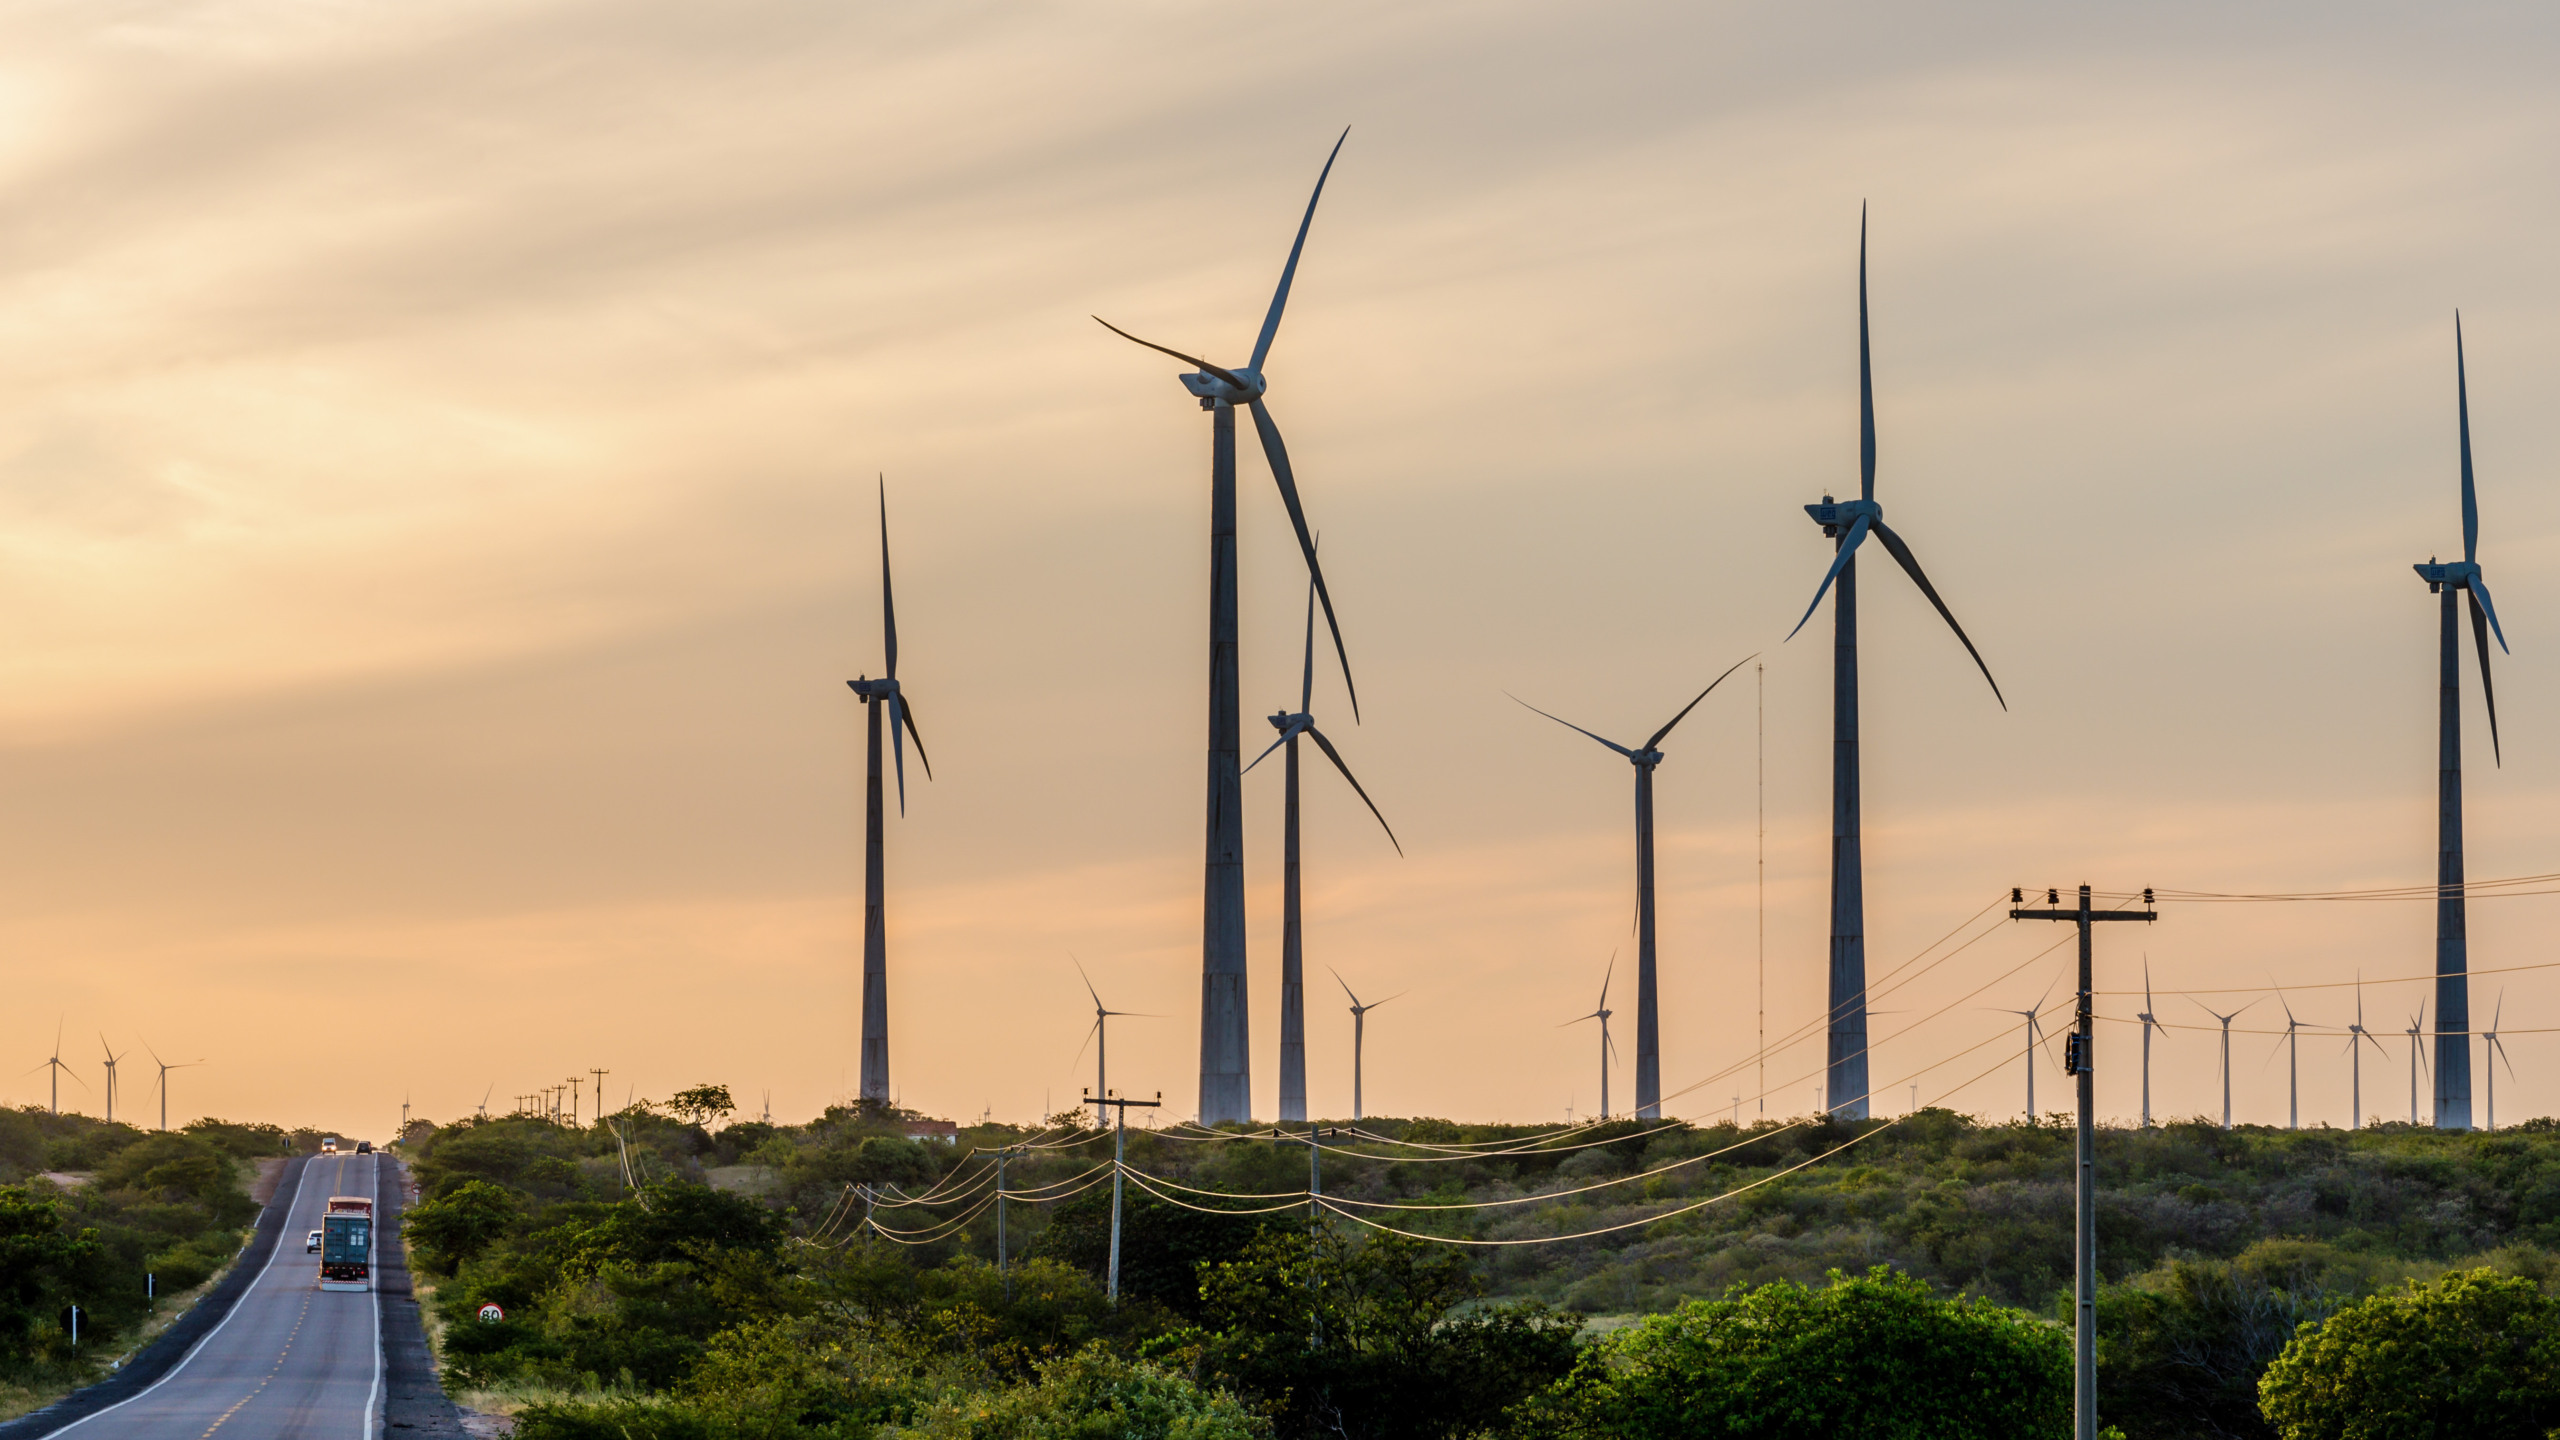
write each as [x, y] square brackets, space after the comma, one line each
[2033, 1025]
[2453, 957]
[1226, 1083]
[1293, 1001]
[163, 1085]
[2357, 1037]
[59, 1069]
[2417, 1057]
[1648, 1019]
[1100, 1038]
[484, 1099]
[900, 719]
[1602, 1014]
[2150, 1022]
[1359, 1035]
[2291, 1045]
[2226, 1050]
[112, 1058]
[2497, 1051]
[1848, 523]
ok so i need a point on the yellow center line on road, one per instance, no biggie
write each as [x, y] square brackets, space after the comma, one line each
[281, 1355]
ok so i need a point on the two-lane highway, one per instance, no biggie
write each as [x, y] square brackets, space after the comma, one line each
[291, 1362]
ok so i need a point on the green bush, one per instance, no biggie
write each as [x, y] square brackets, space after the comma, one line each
[2474, 1355]
[457, 1226]
[1093, 1395]
[1878, 1357]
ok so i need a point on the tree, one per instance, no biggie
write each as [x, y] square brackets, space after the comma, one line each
[40, 1265]
[702, 1104]
[1345, 1337]
[1878, 1357]
[455, 1228]
[2473, 1354]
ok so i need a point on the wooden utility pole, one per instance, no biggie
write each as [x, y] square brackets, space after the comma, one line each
[1119, 1157]
[1003, 1155]
[2078, 1059]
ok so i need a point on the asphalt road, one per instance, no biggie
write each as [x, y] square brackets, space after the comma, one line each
[291, 1361]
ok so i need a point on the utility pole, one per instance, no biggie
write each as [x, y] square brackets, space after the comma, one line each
[1119, 1157]
[599, 1074]
[1003, 1155]
[1315, 1168]
[575, 1081]
[2079, 1057]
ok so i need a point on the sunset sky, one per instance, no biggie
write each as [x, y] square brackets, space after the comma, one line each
[436, 477]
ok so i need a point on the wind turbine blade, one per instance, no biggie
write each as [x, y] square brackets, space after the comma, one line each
[907, 716]
[2462, 408]
[1345, 984]
[1849, 544]
[888, 596]
[2500, 1011]
[1336, 757]
[1265, 755]
[1866, 376]
[1289, 272]
[1902, 556]
[1656, 738]
[2480, 601]
[1307, 677]
[1569, 725]
[898, 748]
[2488, 692]
[1088, 982]
[1087, 1043]
[1227, 375]
[1277, 453]
[1396, 996]
[2146, 985]
[2501, 1047]
[1605, 977]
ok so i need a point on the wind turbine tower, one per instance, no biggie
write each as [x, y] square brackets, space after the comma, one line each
[2357, 1037]
[1645, 758]
[2033, 1023]
[1100, 1035]
[2292, 1064]
[1848, 523]
[878, 696]
[2150, 1022]
[112, 1058]
[1602, 1014]
[2453, 960]
[2417, 1057]
[2497, 1050]
[1359, 1036]
[1226, 1079]
[1293, 950]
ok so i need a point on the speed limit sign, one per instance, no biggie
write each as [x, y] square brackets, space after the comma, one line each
[491, 1314]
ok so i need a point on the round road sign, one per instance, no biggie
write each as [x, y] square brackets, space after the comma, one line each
[491, 1314]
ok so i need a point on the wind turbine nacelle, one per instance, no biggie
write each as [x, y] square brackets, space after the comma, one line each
[880, 689]
[1214, 392]
[1835, 516]
[2457, 573]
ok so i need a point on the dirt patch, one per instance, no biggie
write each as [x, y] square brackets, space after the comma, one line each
[262, 1186]
[485, 1426]
[65, 1179]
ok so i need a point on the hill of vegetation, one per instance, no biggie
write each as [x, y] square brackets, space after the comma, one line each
[103, 1216]
[666, 1276]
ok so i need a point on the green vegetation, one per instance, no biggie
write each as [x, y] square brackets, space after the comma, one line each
[88, 1210]
[662, 1278]
[2473, 1355]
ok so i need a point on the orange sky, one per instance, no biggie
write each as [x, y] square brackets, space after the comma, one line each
[434, 526]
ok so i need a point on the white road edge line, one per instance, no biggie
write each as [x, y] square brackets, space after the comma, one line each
[198, 1347]
[374, 1269]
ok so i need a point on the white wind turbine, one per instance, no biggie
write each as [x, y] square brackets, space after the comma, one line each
[2150, 1022]
[2357, 1037]
[2226, 1051]
[2497, 1050]
[1601, 1014]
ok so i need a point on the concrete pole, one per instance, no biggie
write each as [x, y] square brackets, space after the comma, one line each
[1119, 1158]
[875, 923]
[2084, 1381]
[1648, 1018]
[2453, 944]
[1293, 1003]
[1226, 1079]
[1847, 1090]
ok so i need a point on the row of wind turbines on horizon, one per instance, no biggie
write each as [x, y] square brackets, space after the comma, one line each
[112, 1058]
[1225, 1089]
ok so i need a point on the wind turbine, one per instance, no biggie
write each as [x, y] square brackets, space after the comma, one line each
[1100, 1035]
[1359, 1034]
[2293, 1060]
[2150, 1022]
[1648, 1023]
[2033, 1024]
[2226, 1050]
[112, 1058]
[2358, 1036]
[877, 696]
[1602, 1015]
[1849, 523]
[1293, 1003]
[55, 1061]
[484, 1099]
[2497, 1050]
[2417, 1057]
[2453, 959]
[1226, 1080]
[165, 1068]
